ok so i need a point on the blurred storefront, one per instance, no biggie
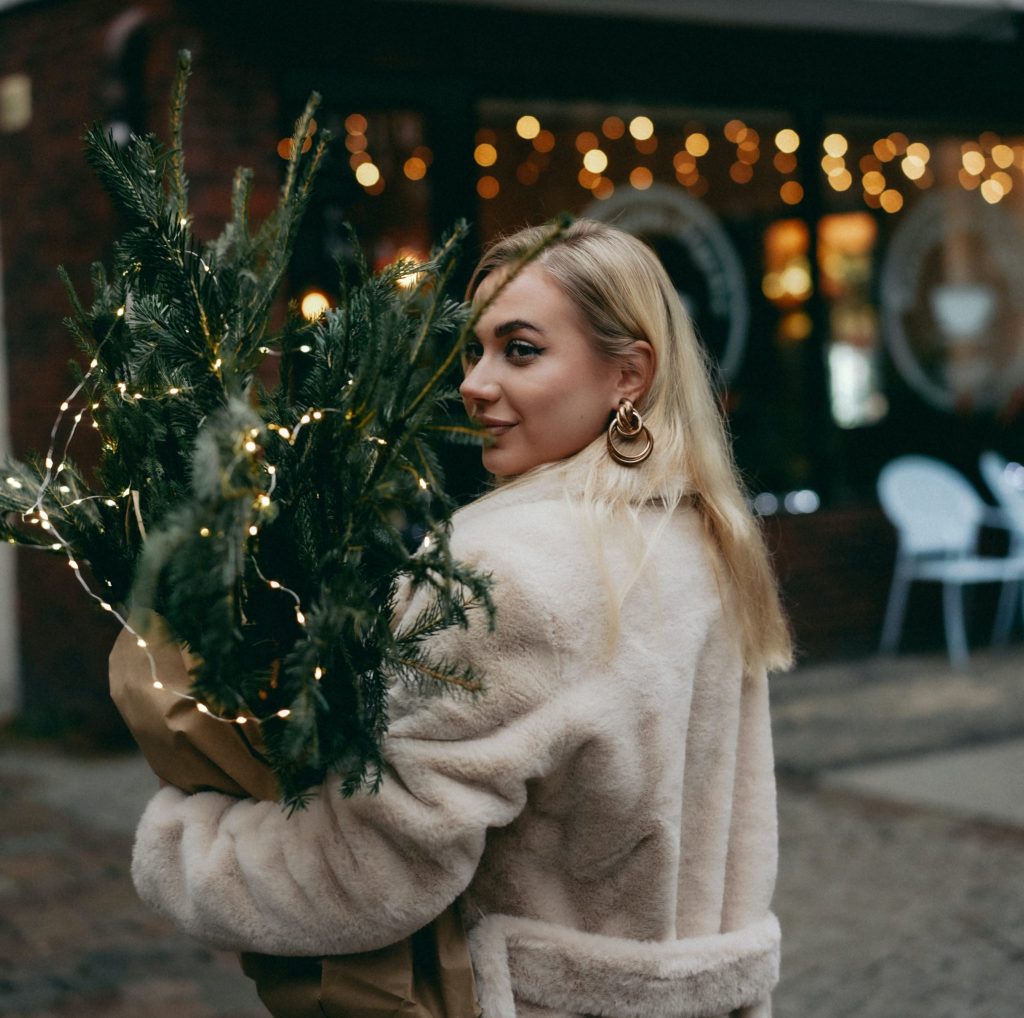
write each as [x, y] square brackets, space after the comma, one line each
[836, 189]
[838, 197]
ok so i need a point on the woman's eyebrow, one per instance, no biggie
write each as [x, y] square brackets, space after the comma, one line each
[514, 325]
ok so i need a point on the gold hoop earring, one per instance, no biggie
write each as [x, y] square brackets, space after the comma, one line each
[629, 425]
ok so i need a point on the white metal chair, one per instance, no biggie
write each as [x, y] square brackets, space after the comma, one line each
[1006, 482]
[937, 515]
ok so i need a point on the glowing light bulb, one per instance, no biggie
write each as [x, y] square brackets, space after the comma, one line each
[974, 162]
[367, 174]
[787, 140]
[528, 127]
[284, 712]
[486, 154]
[202, 708]
[641, 128]
[835, 145]
[313, 305]
[697, 144]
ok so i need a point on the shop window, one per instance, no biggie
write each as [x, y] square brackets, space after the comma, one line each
[846, 248]
[922, 270]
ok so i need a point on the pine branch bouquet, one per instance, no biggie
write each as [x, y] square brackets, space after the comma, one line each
[267, 522]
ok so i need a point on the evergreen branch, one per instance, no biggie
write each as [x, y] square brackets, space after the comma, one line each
[177, 153]
[130, 190]
[269, 523]
[298, 140]
[72, 293]
[444, 675]
[459, 429]
[557, 228]
[442, 257]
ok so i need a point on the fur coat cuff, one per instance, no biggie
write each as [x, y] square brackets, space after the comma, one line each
[566, 970]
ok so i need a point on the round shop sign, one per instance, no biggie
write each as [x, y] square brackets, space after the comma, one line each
[952, 301]
[700, 259]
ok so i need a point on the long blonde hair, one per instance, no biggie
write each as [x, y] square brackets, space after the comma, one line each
[625, 295]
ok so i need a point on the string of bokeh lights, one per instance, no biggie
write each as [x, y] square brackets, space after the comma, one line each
[248, 445]
[887, 164]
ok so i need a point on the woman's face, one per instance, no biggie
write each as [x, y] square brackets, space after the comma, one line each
[533, 379]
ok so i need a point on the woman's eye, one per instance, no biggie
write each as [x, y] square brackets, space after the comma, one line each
[472, 352]
[520, 350]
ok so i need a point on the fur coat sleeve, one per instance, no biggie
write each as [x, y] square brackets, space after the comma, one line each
[350, 875]
[605, 808]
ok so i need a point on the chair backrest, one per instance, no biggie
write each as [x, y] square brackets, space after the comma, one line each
[934, 508]
[1004, 480]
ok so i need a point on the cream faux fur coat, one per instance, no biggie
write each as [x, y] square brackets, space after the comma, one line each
[606, 811]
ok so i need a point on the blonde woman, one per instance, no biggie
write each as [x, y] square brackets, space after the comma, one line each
[605, 811]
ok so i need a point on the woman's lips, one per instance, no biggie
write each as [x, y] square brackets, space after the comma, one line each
[494, 427]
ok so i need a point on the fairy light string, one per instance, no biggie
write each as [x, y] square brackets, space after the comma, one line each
[37, 514]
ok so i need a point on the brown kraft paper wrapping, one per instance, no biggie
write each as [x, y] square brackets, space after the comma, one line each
[427, 975]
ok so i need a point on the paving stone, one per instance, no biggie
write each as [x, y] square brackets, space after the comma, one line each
[889, 910]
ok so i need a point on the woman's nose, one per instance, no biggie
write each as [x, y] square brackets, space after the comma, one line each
[479, 384]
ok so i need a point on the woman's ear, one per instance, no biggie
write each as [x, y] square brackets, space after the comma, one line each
[636, 371]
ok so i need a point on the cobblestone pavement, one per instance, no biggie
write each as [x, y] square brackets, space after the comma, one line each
[888, 911]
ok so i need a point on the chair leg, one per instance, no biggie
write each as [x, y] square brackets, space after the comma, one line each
[956, 635]
[894, 611]
[1004, 612]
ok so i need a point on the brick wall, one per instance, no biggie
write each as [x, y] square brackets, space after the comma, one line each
[53, 212]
